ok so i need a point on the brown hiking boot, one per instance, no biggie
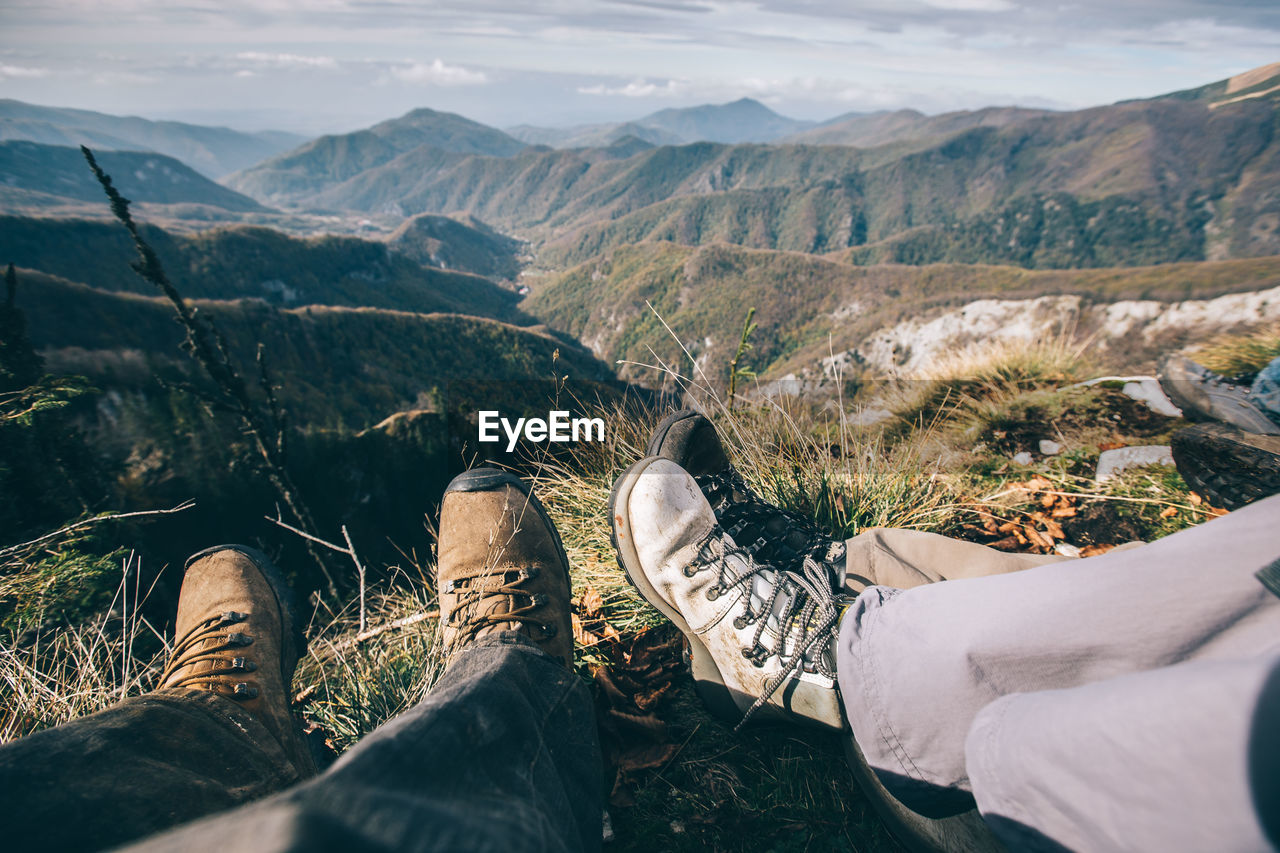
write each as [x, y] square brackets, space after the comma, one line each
[237, 635]
[502, 566]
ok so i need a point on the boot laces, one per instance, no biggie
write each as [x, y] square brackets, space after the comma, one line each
[746, 518]
[802, 603]
[471, 595]
[195, 647]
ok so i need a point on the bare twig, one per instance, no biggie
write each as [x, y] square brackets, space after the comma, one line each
[350, 551]
[393, 625]
[89, 522]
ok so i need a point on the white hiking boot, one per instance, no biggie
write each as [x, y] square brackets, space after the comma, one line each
[762, 640]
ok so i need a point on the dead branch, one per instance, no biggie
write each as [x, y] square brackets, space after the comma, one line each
[350, 551]
[89, 522]
[393, 625]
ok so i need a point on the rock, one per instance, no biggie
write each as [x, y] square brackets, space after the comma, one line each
[1144, 389]
[1023, 458]
[1148, 391]
[1066, 549]
[1049, 448]
[1112, 462]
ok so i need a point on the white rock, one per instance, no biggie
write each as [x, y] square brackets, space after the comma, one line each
[1148, 391]
[1049, 448]
[1023, 458]
[1112, 462]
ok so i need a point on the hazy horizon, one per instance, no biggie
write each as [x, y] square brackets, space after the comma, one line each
[316, 66]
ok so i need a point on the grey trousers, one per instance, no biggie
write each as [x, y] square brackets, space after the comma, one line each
[502, 755]
[1124, 702]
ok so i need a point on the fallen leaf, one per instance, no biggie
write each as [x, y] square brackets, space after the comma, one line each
[1195, 498]
[646, 757]
[1036, 537]
[1112, 445]
[1169, 512]
[646, 701]
[581, 635]
[590, 602]
[1095, 550]
[605, 680]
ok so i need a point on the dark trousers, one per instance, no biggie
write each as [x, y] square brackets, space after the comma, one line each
[502, 755]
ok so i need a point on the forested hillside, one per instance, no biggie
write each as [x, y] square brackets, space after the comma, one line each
[808, 307]
[30, 172]
[252, 262]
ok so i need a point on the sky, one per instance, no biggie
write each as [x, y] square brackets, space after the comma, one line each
[314, 66]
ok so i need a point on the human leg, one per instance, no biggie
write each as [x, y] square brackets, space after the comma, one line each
[217, 734]
[502, 754]
[917, 666]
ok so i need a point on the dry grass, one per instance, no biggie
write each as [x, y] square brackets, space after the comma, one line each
[1240, 355]
[81, 669]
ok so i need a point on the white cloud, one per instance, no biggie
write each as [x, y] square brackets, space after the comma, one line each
[22, 71]
[287, 60]
[437, 73]
[972, 5]
[638, 89]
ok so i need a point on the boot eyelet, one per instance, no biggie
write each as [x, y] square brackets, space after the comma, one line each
[244, 691]
[243, 665]
[713, 592]
[531, 572]
[239, 639]
[740, 622]
[549, 631]
[231, 617]
[690, 571]
[537, 599]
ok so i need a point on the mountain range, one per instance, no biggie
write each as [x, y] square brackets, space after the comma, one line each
[33, 175]
[212, 151]
[1188, 176]
[743, 120]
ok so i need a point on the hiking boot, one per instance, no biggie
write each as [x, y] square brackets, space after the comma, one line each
[1206, 396]
[502, 566]
[761, 638]
[770, 534]
[237, 635]
[1228, 467]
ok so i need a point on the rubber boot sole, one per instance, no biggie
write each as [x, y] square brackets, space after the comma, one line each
[1227, 466]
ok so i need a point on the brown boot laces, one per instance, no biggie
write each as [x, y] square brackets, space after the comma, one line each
[190, 649]
[471, 596]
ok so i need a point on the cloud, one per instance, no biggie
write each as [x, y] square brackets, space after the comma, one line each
[638, 89]
[7, 71]
[437, 73]
[287, 60]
